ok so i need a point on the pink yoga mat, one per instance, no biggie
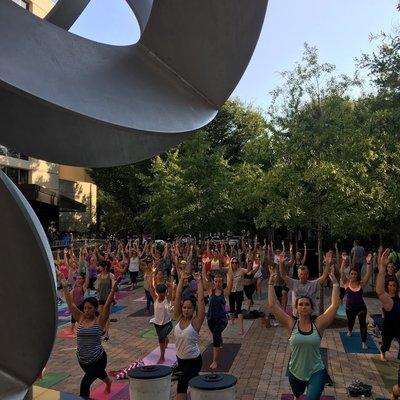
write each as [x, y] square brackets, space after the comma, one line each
[303, 397]
[143, 298]
[65, 333]
[121, 295]
[170, 356]
[98, 393]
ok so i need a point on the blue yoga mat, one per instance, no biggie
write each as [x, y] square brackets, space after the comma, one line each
[263, 296]
[63, 321]
[352, 344]
[378, 320]
[341, 312]
[117, 307]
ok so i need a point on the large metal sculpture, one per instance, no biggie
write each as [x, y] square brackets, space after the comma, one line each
[74, 101]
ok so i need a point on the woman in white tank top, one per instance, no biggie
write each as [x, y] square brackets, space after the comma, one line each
[187, 339]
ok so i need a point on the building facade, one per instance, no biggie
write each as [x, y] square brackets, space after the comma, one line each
[63, 197]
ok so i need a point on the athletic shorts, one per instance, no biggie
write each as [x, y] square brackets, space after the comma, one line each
[163, 331]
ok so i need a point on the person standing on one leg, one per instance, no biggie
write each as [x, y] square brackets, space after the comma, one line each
[162, 314]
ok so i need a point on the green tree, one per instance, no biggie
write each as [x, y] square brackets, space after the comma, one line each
[190, 190]
[233, 127]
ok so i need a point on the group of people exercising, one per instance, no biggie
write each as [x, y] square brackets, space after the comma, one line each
[181, 290]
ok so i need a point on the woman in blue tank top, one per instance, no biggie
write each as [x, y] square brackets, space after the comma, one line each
[91, 355]
[216, 315]
[391, 309]
[306, 368]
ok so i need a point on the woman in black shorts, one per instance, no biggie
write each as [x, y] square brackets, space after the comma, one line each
[249, 285]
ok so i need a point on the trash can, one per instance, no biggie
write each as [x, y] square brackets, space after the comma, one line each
[150, 382]
[213, 387]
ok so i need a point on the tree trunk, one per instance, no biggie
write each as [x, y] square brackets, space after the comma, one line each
[320, 269]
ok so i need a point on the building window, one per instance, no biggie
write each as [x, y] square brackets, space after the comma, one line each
[22, 3]
[18, 176]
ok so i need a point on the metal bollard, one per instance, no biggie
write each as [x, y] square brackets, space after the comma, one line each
[150, 382]
[213, 387]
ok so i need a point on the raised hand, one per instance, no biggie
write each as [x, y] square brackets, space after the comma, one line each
[328, 258]
[333, 276]
[197, 276]
[384, 259]
[368, 259]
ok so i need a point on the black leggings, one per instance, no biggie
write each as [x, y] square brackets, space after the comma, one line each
[362, 319]
[133, 275]
[189, 368]
[249, 290]
[235, 302]
[217, 326]
[390, 331]
[93, 371]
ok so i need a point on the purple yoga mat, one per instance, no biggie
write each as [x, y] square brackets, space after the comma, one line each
[170, 356]
[64, 313]
[287, 396]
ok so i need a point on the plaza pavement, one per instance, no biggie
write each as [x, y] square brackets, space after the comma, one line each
[260, 365]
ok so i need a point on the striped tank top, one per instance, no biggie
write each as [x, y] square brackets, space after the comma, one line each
[89, 343]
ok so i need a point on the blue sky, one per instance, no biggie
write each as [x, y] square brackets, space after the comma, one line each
[340, 29]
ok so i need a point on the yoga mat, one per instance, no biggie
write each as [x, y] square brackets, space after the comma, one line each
[324, 355]
[40, 393]
[151, 333]
[378, 320]
[170, 356]
[50, 379]
[142, 312]
[388, 371]
[116, 308]
[263, 296]
[116, 388]
[288, 396]
[341, 312]
[233, 331]
[121, 295]
[123, 394]
[61, 322]
[143, 298]
[64, 313]
[65, 333]
[352, 344]
[226, 357]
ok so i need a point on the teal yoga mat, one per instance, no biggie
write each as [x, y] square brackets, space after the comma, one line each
[352, 344]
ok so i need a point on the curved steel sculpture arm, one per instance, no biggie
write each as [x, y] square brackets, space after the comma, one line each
[27, 295]
[87, 103]
[66, 12]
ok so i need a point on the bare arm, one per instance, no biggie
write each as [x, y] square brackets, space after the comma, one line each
[327, 268]
[367, 275]
[303, 261]
[326, 319]
[177, 301]
[105, 313]
[201, 308]
[228, 289]
[73, 309]
[342, 273]
[385, 299]
[285, 320]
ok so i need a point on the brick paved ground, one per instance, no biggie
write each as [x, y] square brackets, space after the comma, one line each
[260, 365]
